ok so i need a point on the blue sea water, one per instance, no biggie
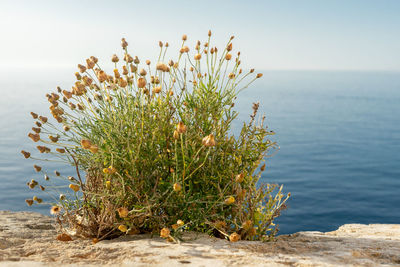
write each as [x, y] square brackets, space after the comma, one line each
[339, 137]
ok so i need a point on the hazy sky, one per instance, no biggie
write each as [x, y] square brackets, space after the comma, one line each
[281, 34]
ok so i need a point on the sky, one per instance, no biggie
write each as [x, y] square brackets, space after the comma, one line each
[282, 34]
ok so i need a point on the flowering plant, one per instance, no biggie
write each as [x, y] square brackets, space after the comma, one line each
[155, 146]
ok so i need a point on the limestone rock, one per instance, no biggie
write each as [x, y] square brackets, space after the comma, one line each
[29, 239]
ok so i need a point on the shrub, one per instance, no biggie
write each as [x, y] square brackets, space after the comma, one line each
[157, 150]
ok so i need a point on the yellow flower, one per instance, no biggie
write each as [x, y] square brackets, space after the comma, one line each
[105, 170]
[74, 187]
[122, 228]
[108, 184]
[234, 237]
[123, 212]
[164, 233]
[230, 200]
[180, 222]
[177, 187]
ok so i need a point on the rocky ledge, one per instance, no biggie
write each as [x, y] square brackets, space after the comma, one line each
[29, 239]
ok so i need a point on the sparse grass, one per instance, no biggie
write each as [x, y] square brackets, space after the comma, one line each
[153, 150]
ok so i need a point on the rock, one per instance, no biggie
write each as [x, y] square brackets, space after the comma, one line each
[29, 239]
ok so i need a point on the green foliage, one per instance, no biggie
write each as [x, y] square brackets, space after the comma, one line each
[156, 147]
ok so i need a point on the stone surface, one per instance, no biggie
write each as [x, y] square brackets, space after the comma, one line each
[29, 239]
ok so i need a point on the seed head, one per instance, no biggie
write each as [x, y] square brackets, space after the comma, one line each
[102, 76]
[42, 187]
[165, 232]
[125, 70]
[143, 72]
[240, 177]
[43, 119]
[124, 43]
[26, 154]
[228, 56]
[90, 63]
[209, 33]
[231, 75]
[184, 37]
[234, 237]
[162, 67]
[262, 168]
[38, 124]
[247, 225]
[94, 149]
[128, 58]
[37, 168]
[197, 57]
[123, 212]
[34, 115]
[259, 75]
[29, 202]
[66, 128]
[181, 128]
[114, 58]
[180, 222]
[94, 59]
[57, 173]
[54, 139]
[141, 82]
[62, 197]
[156, 90]
[81, 68]
[136, 60]
[86, 144]
[133, 68]
[160, 44]
[60, 150]
[148, 62]
[209, 140]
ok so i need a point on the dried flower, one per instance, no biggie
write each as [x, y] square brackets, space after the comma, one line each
[181, 128]
[123, 228]
[43, 119]
[54, 139]
[230, 200]
[90, 63]
[259, 75]
[34, 115]
[240, 177]
[86, 144]
[228, 56]
[64, 237]
[180, 223]
[37, 168]
[123, 212]
[114, 58]
[54, 210]
[141, 82]
[176, 135]
[74, 187]
[209, 140]
[57, 173]
[262, 168]
[124, 43]
[102, 76]
[42, 187]
[34, 137]
[231, 75]
[62, 197]
[234, 237]
[177, 187]
[165, 232]
[60, 150]
[156, 90]
[247, 224]
[184, 37]
[81, 68]
[143, 72]
[29, 202]
[162, 67]
[94, 149]
[197, 57]
[26, 154]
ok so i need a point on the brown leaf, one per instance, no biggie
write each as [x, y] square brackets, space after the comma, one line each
[64, 237]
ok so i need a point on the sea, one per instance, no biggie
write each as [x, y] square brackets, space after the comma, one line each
[338, 133]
